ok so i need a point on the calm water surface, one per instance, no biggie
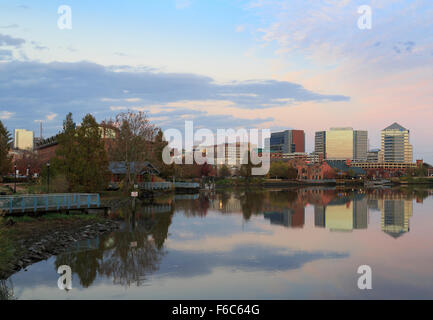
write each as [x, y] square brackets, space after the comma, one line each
[279, 244]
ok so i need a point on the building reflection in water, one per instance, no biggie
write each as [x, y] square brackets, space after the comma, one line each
[341, 211]
[288, 217]
[343, 214]
[129, 255]
[395, 216]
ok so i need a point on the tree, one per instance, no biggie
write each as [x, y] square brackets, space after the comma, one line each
[189, 171]
[155, 156]
[224, 171]
[351, 173]
[279, 170]
[245, 170]
[92, 160]
[292, 173]
[66, 157]
[133, 142]
[81, 155]
[206, 170]
[5, 146]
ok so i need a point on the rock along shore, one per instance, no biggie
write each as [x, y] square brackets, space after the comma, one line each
[34, 250]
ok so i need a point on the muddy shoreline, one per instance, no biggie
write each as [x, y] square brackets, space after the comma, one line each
[43, 246]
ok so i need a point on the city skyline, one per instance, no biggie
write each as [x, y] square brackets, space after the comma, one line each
[270, 67]
[358, 148]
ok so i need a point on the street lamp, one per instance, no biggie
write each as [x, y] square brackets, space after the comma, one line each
[48, 177]
[15, 180]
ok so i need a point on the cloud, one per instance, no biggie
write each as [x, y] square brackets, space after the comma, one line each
[6, 40]
[4, 115]
[51, 116]
[9, 26]
[182, 4]
[325, 33]
[404, 47]
[37, 46]
[240, 28]
[71, 83]
[6, 55]
[36, 89]
[245, 257]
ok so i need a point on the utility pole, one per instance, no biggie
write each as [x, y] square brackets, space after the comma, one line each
[15, 180]
[48, 177]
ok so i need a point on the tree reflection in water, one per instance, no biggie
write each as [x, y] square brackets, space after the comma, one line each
[127, 255]
[6, 290]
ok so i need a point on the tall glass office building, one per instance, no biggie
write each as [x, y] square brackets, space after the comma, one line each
[395, 145]
[320, 143]
[289, 141]
[346, 143]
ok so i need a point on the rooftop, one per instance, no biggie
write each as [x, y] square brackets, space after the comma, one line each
[396, 126]
[342, 166]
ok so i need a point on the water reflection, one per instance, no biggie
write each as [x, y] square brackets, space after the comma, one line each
[192, 236]
[333, 209]
[136, 251]
[6, 290]
[126, 256]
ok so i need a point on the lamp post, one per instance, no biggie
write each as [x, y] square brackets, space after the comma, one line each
[15, 180]
[48, 177]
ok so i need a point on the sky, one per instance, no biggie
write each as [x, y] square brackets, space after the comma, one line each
[294, 64]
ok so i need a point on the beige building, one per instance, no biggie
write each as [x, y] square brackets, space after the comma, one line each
[232, 154]
[395, 145]
[339, 217]
[346, 143]
[23, 139]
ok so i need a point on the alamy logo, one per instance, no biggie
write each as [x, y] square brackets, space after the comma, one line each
[65, 20]
[365, 21]
[365, 281]
[65, 280]
[226, 146]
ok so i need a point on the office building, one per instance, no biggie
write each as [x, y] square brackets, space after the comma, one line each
[308, 157]
[23, 139]
[346, 143]
[373, 155]
[360, 145]
[395, 145]
[232, 154]
[288, 141]
[320, 143]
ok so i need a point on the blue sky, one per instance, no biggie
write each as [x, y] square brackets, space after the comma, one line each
[254, 63]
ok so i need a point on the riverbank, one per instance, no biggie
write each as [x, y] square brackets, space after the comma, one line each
[280, 183]
[413, 181]
[26, 240]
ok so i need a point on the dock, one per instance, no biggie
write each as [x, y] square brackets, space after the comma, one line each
[20, 204]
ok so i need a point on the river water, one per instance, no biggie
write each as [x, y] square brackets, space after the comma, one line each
[273, 244]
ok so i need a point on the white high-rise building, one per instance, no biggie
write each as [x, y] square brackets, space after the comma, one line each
[23, 139]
